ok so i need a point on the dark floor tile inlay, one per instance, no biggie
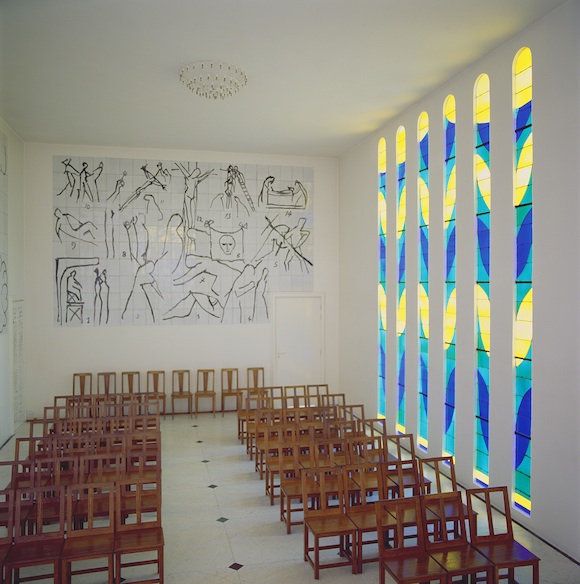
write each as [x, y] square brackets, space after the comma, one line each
[222, 519]
[205, 461]
[213, 486]
[236, 566]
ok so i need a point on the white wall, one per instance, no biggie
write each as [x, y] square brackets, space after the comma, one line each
[15, 274]
[54, 353]
[554, 42]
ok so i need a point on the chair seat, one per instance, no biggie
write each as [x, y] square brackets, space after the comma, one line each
[330, 524]
[365, 519]
[34, 553]
[455, 561]
[509, 553]
[139, 539]
[411, 568]
[88, 547]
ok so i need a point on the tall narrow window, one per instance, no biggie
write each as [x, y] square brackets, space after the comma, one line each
[523, 325]
[482, 288]
[382, 291]
[423, 295]
[450, 290]
[401, 278]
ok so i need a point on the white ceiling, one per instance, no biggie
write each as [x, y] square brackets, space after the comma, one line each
[322, 74]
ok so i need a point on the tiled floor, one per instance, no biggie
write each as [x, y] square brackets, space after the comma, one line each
[220, 528]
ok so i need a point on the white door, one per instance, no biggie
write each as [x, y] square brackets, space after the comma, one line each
[298, 340]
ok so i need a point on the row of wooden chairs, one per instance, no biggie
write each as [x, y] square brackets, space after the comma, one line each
[342, 457]
[421, 538]
[181, 385]
[57, 467]
[65, 526]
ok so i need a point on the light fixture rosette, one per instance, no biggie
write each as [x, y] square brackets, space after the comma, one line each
[213, 79]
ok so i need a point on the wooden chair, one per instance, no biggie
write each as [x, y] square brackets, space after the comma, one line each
[404, 558]
[230, 384]
[205, 388]
[327, 520]
[39, 528]
[130, 382]
[446, 544]
[494, 537]
[82, 383]
[372, 426]
[181, 389]
[360, 505]
[255, 377]
[441, 466]
[6, 526]
[90, 529]
[156, 387]
[107, 382]
[138, 529]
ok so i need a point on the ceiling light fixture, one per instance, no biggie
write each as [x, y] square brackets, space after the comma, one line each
[213, 79]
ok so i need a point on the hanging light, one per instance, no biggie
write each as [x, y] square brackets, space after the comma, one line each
[213, 79]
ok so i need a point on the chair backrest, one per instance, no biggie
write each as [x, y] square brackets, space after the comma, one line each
[351, 411]
[313, 389]
[137, 504]
[450, 532]
[400, 447]
[372, 426]
[90, 509]
[332, 399]
[230, 379]
[82, 383]
[395, 518]
[442, 466]
[61, 471]
[495, 523]
[39, 513]
[107, 382]
[366, 449]
[294, 390]
[181, 381]
[206, 380]
[364, 476]
[130, 381]
[255, 377]
[7, 511]
[156, 381]
[103, 467]
[330, 486]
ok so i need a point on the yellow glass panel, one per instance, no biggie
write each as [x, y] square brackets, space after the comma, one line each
[402, 314]
[424, 310]
[482, 101]
[483, 316]
[424, 200]
[402, 214]
[423, 126]
[450, 318]
[522, 501]
[382, 208]
[383, 307]
[449, 108]
[382, 156]
[483, 177]
[401, 145]
[523, 60]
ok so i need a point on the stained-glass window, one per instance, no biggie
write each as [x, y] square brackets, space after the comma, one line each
[382, 291]
[450, 284]
[423, 293]
[402, 275]
[523, 325]
[482, 175]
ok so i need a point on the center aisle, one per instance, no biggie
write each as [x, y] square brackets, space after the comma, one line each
[218, 523]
